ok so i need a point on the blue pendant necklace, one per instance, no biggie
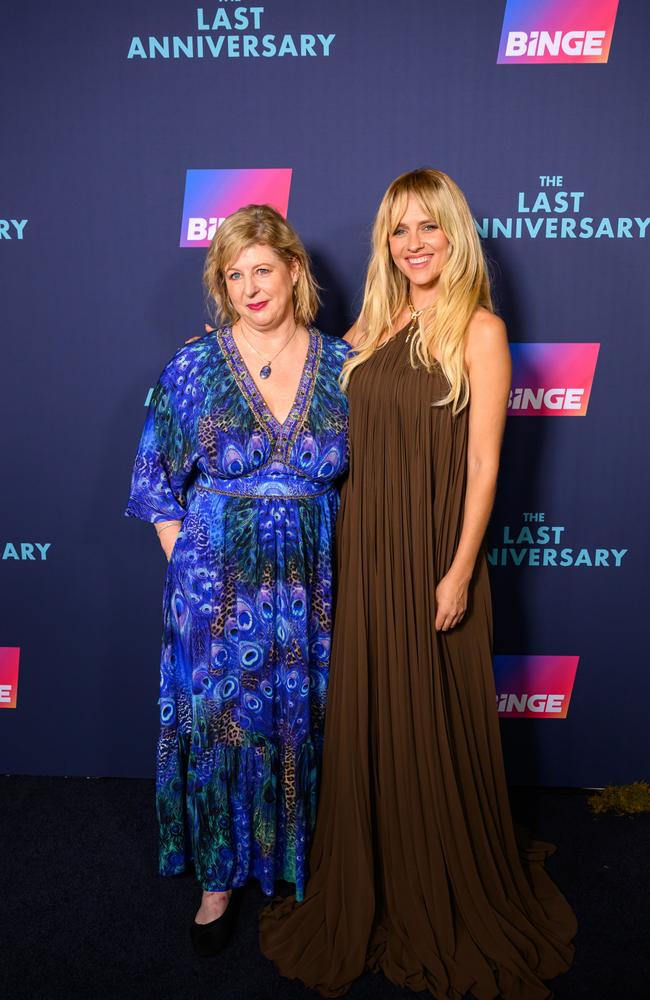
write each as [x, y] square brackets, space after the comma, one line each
[265, 370]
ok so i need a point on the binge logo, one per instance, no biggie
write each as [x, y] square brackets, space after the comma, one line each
[211, 195]
[534, 687]
[9, 660]
[551, 380]
[557, 31]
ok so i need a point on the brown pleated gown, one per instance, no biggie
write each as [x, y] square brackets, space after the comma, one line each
[415, 869]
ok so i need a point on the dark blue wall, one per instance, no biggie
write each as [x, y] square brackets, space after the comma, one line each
[97, 295]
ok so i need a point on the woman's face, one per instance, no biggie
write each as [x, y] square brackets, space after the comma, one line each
[260, 286]
[418, 246]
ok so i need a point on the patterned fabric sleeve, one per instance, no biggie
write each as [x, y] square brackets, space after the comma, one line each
[163, 462]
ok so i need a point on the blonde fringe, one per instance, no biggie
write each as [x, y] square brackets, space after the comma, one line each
[462, 287]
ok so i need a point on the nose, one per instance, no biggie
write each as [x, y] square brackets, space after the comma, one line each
[250, 285]
[415, 242]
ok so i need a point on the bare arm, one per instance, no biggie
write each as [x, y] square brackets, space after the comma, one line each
[489, 368]
[167, 532]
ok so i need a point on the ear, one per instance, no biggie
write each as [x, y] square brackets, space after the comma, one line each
[294, 270]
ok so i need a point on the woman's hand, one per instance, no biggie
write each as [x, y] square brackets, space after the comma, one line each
[167, 532]
[451, 601]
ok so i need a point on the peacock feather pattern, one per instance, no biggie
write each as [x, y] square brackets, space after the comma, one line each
[247, 608]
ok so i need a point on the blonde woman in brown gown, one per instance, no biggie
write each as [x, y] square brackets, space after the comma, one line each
[414, 868]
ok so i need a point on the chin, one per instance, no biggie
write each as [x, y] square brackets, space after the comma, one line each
[262, 318]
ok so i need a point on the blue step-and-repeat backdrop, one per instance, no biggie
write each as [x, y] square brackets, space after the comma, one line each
[129, 129]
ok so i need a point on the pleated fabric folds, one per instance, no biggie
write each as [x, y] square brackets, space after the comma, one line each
[415, 869]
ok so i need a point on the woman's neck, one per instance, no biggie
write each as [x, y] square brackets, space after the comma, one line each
[276, 334]
[422, 298]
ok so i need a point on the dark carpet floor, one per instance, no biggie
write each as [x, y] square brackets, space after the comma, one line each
[86, 917]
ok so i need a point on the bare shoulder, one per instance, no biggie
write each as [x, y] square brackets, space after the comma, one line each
[486, 325]
[486, 336]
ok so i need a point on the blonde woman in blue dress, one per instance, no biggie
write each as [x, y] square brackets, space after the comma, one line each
[243, 447]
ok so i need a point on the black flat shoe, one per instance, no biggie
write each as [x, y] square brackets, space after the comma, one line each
[209, 939]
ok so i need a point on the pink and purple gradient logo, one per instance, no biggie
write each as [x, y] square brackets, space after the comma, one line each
[551, 380]
[557, 31]
[9, 662]
[534, 687]
[211, 195]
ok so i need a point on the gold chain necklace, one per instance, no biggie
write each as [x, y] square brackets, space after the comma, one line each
[415, 315]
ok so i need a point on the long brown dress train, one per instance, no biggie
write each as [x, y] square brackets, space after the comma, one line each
[415, 868]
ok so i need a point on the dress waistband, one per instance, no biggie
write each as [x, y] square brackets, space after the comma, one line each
[280, 489]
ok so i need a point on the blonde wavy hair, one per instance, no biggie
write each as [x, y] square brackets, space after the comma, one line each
[244, 228]
[463, 284]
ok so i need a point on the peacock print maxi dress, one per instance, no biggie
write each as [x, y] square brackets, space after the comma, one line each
[247, 608]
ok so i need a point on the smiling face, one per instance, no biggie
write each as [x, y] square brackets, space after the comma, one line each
[260, 285]
[418, 246]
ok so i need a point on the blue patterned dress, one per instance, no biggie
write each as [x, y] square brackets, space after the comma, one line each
[247, 607]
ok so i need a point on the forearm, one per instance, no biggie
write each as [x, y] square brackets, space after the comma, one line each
[490, 371]
[167, 532]
[479, 500]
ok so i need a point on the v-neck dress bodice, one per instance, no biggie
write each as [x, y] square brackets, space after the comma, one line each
[247, 606]
[252, 392]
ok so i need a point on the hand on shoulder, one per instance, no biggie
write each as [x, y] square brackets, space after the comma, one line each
[354, 336]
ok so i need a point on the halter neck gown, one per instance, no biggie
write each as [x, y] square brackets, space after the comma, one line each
[414, 868]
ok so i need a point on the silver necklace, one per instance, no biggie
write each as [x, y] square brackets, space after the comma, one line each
[265, 370]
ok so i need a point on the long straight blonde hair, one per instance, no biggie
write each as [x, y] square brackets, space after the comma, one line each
[463, 284]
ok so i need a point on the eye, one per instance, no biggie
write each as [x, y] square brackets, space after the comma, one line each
[263, 270]
[429, 227]
[234, 276]
[399, 231]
